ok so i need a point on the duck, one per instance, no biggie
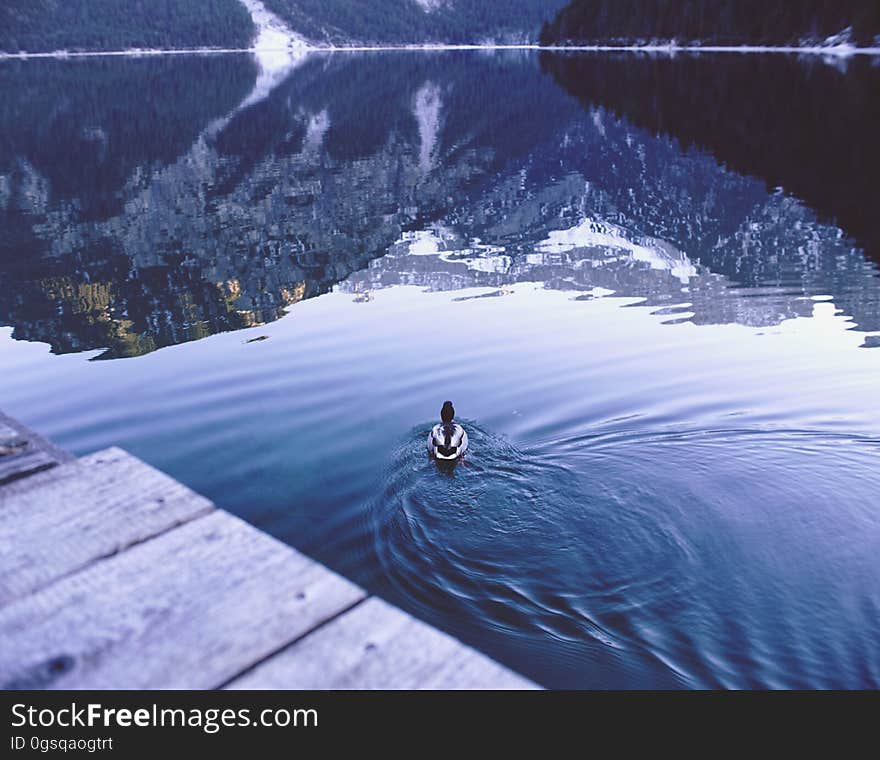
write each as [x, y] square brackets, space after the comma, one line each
[447, 440]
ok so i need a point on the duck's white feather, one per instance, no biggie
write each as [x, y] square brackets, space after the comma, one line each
[447, 441]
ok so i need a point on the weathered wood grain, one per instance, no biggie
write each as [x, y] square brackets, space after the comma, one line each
[190, 609]
[377, 646]
[58, 453]
[59, 521]
[23, 452]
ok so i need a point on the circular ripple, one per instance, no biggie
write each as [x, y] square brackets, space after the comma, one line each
[721, 556]
[525, 544]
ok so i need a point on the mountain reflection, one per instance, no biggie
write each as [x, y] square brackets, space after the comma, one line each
[799, 123]
[146, 203]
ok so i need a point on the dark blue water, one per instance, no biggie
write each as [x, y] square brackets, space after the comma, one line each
[659, 332]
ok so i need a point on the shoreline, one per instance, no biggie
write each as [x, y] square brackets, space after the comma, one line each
[837, 51]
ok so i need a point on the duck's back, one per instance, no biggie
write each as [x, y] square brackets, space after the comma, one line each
[447, 440]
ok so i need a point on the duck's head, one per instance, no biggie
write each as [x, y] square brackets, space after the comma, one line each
[447, 412]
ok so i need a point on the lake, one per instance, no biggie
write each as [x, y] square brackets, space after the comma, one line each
[650, 285]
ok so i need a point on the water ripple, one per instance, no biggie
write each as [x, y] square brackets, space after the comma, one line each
[621, 541]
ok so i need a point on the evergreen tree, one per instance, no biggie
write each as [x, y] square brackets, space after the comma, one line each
[714, 22]
[76, 25]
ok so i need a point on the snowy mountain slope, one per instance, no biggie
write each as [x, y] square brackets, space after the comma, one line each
[346, 22]
[101, 25]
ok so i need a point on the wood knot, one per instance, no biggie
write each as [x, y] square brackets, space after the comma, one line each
[41, 675]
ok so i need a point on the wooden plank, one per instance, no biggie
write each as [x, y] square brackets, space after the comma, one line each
[23, 452]
[22, 464]
[44, 443]
[59, 521]
[190, 609]
[377, 646]
[20, 455]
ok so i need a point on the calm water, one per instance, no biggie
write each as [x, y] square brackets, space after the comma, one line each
[649, 285]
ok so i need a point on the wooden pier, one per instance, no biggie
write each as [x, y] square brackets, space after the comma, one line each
[115, 576]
